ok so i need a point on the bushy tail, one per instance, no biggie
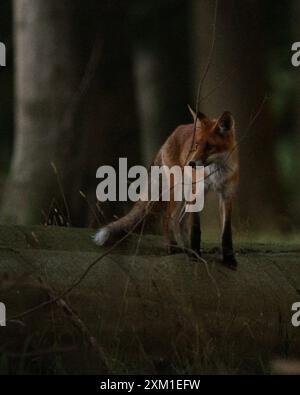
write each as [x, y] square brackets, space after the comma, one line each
[112, 231]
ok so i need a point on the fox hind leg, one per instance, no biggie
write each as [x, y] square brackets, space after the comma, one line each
[227, 245]
[168, 229]
[195, 233]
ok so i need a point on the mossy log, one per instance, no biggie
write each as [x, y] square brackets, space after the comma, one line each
[139, 303]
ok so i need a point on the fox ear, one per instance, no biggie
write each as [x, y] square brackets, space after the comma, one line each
[200, 115]
[226, 122]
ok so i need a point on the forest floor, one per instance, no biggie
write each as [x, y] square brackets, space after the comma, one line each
[157, 313]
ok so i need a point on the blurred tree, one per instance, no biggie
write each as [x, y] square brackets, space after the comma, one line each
[160, 32]
[295, 163]
[75, 105]
[6, 83]
[238, 78]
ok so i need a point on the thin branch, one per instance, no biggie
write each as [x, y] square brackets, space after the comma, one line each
[241, 140]
[88, 76]
[90, 206]
[78, 323]
[210, 57]
[62, 192]
[218, 85]
[206, 70]
[117, 243]
[200, 259]
[82, 277]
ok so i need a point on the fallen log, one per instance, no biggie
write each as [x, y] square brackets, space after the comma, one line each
[140, 306]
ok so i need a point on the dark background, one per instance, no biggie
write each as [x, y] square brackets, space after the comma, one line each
[90, 81]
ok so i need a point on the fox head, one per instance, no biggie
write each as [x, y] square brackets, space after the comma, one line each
[214, 138]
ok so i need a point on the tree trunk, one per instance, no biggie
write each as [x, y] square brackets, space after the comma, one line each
[295, 138]
[161, 65]
[74, 105]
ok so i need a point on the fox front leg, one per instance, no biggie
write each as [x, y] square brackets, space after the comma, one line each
[168, 229]
[227, 245]
[196, 233]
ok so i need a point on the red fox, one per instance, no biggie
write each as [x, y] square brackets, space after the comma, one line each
[207, 142]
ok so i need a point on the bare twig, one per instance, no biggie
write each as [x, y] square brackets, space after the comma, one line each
[218, 85]
[206, 70]
[82, 277]
[83, 195]
[241, 140]
[89, 75]
[117, 243]
[67, 122]
[78, 323]
[200, 259]
[62, 192]
[210, 58]
[69, 115]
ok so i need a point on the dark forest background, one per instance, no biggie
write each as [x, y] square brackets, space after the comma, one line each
[90, 81]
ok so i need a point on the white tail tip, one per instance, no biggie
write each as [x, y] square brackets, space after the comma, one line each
[101, 236]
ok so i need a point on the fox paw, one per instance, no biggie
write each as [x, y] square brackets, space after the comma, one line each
[230, 262]
[174, 249]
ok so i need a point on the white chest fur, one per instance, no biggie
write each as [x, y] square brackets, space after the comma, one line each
[215, 177]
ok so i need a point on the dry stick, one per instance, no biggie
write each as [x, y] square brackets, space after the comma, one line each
[83, 195]
[210, 57]
[200, 87]
[89, 268]
[244, 136]
[69, 115]
[199, 258]
[53, 205]
[96, 261]
[218, 85]
[62, 192]
[208, 65]
[140, 237]
[129, 274]
[251, 123]
[82, 277]
[77, 321]
[67, 123]
[85, 273]
[89, 74]
[198, 94]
